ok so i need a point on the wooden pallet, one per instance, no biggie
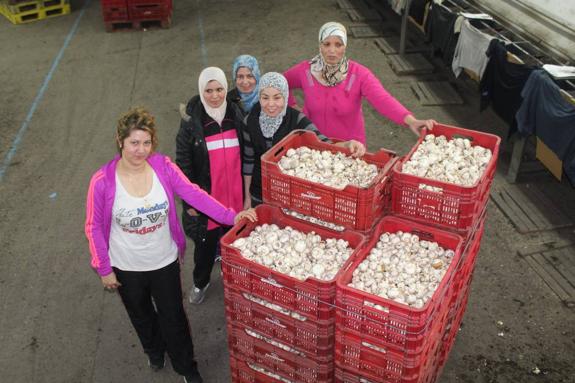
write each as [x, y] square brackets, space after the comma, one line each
[529, 209]
[350, 4]
[390, 45]
[131, 25]
[29, 11]
[431, 93]
[410, 63]
[362, 15]
[32, 5]
[368, 30]
[556, 266]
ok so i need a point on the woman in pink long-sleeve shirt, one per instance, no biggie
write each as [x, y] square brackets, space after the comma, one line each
[334, 87]
[136, 241]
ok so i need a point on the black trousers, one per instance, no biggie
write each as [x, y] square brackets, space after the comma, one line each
[163, 327]
[205, 256]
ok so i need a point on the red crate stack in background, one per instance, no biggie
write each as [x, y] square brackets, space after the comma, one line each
[136, 14]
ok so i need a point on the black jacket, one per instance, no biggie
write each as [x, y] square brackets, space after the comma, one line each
[233, 96]
[193, 159]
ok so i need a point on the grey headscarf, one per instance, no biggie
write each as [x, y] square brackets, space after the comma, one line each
[269, 125]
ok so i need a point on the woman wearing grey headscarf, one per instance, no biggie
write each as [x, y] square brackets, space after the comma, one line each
[270, 121]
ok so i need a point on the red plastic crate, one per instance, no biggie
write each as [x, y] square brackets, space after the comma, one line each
[242, 372]
[387, 364]
[353, 207]
[289, 365]
[113, 10]
[315, 338]
[312, 298]
[344, 376]
[167, 3]
[113, 3]
[455, 207]
[150, 12]
[397, 324]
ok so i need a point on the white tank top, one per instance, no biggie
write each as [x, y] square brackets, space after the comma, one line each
[140, 238]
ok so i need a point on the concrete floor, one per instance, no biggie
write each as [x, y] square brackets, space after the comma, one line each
[56, 322]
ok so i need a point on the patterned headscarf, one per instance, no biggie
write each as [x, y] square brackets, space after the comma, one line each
[269, 125]
[250, 62]
[213, 74]
[331, 75]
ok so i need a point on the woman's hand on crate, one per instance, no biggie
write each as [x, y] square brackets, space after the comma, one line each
[356, 148]
[250, 214]
[416, 125]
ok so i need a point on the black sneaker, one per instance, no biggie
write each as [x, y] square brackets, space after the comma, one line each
[195, 377]
[156, 362]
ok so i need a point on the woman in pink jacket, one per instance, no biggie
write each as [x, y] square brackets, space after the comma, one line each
[334, 87]
[136, 241]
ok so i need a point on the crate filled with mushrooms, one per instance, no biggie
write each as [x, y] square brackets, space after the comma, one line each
[446, 177]
[251, 346]
[396, 290]
[288, 262]
[322, 180]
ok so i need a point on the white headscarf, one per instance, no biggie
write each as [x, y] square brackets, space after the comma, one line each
[213, 74]
[333, 29]
[327, 74]
[269, 125]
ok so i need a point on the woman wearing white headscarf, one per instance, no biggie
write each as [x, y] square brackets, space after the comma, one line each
[270, 120]
[334, 87]
[208, 152]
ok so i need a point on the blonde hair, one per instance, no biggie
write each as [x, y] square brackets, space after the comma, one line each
[136, 119]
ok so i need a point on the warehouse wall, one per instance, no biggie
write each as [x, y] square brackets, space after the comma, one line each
[549, 22]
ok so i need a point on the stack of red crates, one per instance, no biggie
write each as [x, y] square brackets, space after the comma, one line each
[307, 323]
[294, 339]
[395, 343]
[136, 14]
[344, 338]
[413, 345]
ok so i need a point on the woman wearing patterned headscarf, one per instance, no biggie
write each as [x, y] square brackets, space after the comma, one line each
[269, 121]
[208, 152]
[246, 76]
[334, 87]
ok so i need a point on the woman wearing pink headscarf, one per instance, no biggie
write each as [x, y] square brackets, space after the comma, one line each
[335, 86]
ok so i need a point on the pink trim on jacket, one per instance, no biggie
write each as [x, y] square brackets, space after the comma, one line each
[100, 200]
[337, 111]
[226, 170]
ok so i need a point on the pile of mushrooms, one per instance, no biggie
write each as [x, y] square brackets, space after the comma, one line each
[403, 268]
[336, 170]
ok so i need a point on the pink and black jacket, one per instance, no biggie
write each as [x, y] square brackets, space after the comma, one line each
[210, 156]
